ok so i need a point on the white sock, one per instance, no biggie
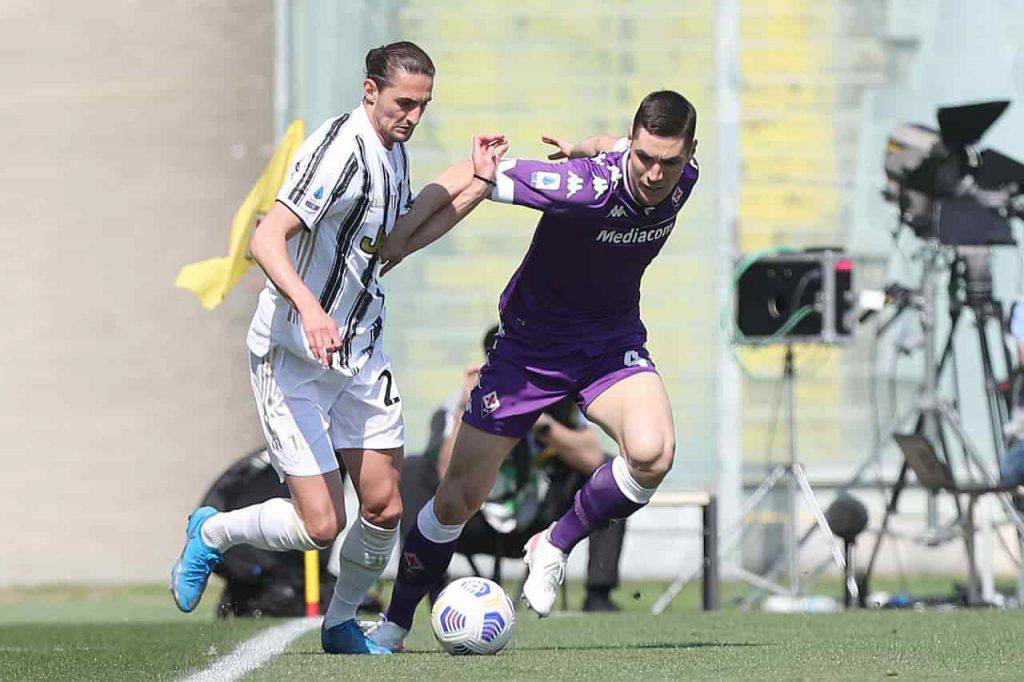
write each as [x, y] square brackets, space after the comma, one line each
[272, 525]
[628, 485]
[364, 555]
[434, 530]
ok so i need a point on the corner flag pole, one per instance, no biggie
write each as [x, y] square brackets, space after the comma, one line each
[312, 557]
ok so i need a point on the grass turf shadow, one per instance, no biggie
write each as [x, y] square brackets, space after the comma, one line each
[609, 647]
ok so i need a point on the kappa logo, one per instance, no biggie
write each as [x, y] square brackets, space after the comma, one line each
[600, 186]
[618, 211]
[633, 359]
[616, 174]
[490, 403]
[545, 180]
[573, 184]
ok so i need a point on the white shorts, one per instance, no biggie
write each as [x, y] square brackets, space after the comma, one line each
[309, 412]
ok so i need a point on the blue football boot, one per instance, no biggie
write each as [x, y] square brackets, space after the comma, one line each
[196, 563]
[349, 638]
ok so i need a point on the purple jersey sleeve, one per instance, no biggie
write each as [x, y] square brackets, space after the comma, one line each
[549, 186]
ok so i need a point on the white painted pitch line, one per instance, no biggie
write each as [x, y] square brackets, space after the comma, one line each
[255, 651]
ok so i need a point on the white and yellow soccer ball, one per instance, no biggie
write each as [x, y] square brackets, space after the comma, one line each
[473, 616]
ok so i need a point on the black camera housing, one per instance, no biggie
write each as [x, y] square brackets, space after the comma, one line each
[771, 289]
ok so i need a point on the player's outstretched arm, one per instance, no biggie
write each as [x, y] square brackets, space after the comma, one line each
[487, 152]
[270, 251]
[591, 146]
[432, 198]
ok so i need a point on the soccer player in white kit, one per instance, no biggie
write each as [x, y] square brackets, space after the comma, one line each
[323, 385]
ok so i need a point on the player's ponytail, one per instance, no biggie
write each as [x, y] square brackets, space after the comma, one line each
[383, 62]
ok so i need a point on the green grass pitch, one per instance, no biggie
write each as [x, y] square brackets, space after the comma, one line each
[135, 633]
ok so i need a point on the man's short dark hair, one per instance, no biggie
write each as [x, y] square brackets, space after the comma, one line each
[382, 63]
[666, 113]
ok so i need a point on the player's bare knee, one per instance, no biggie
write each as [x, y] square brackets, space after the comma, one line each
[651, 459]
[323, 528]
[383, 513]
[455, 506]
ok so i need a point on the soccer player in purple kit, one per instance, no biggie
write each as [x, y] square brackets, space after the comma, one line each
[570, 327]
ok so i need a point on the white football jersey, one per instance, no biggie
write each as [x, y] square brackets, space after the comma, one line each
[348, 190]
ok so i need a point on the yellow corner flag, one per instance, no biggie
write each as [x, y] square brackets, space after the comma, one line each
[212, 279]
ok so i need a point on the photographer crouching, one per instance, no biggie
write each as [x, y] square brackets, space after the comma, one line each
[536, 485]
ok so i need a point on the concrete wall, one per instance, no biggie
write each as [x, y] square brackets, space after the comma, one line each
[130, 131]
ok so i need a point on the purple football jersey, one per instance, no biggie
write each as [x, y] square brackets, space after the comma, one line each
[581, 277]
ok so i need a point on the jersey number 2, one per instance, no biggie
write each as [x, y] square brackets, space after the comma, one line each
[389, 382]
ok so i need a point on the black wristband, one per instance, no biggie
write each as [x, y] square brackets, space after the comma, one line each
[489, 182]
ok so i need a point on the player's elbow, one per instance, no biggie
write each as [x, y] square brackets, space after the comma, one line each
[258, 245]
[272, 234]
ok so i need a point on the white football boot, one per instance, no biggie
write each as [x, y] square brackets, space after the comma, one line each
[389, 635]
[546, 566]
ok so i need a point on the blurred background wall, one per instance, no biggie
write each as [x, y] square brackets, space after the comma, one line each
[134, 129]
[131, 131]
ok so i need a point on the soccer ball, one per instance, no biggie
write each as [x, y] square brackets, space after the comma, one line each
[473, 616]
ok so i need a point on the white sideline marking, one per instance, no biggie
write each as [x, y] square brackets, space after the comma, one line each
[255, 651]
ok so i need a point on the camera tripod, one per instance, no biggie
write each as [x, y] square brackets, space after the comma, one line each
[936, 417]
[793, 476]
[970, 289]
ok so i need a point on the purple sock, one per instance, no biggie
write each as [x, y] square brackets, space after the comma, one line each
[422, 565]
[597, 503]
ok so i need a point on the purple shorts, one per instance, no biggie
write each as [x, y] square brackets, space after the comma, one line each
[523, 376]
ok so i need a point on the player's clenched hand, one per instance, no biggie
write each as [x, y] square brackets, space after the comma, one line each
[565, 148]
[487, 152]
[322, 332]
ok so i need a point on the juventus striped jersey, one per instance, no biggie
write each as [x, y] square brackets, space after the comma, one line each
[348, 190]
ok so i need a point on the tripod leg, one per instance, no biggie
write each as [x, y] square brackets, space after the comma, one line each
[726, 545]
[969, 448]
[819, 516]
[947, 456]
[973, 582]
[1020, 568]
[848, 555]
[890, 509]
[996, 405]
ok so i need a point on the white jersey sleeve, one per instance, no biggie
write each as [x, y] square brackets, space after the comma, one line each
[325, 170]
[406, 199]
